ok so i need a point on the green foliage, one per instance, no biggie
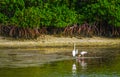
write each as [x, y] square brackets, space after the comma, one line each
[63, 16]
[35, 17]
[26, 18]
[102, 11]
[59, 13]
[3, 18]
[9, 7]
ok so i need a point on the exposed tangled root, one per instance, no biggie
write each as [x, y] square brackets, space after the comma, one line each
[92, 30]
[18, 32]
[75, 30]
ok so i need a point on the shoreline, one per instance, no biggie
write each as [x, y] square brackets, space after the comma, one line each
[49, 49]
[52, 41]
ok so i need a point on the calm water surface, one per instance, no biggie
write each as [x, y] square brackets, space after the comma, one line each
[40, 63]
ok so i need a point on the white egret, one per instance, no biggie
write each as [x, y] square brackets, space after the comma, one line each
[75, 51]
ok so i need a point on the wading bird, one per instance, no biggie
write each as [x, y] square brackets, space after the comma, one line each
[83, 53]
[75, 51]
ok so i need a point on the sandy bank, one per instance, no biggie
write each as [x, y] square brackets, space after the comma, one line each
[51, 41]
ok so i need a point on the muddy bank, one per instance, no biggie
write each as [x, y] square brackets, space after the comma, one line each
[15, 58]
[51, 41]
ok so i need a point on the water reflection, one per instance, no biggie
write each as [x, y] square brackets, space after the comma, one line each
[74, 69]
[82, 63]
[108, 66]
[79, 64]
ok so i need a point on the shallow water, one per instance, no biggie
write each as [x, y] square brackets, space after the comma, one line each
[41, 63]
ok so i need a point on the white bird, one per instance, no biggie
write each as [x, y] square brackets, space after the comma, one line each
[75, 51]
[83, 53]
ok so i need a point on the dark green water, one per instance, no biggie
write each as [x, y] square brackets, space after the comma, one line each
[107, 66]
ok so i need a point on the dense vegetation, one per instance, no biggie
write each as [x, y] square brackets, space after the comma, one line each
[31, 18]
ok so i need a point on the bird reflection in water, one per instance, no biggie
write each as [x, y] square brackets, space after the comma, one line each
[83, 64]
[74, 69]
[81, 61]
